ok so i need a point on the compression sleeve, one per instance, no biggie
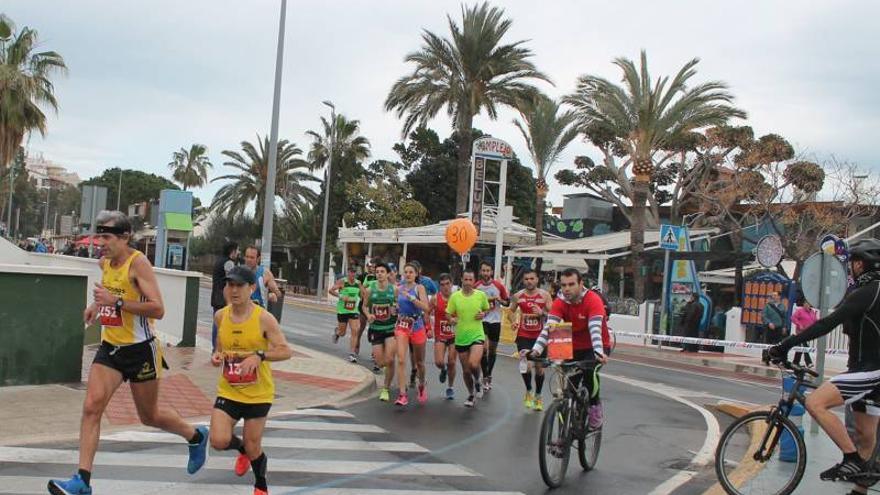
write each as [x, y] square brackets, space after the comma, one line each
[541, 342]
[596, 310]
[853, 307]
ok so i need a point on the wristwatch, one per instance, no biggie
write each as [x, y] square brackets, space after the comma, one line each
[118, 305]
[261, 355]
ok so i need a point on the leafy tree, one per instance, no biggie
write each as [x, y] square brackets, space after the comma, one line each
[634, 121]
[25, 199]
[547, 133]
[137, 186]
[25, 86]
[468, 72]
[251, 166]
[190, 166]
[381, 200]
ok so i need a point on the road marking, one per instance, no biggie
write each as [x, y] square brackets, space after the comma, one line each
[713, 432]
[318, 426]
[275, 442]
[33, 485]
[333, 466]
[326, 413]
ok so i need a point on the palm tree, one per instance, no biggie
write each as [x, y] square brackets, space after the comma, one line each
[466, 73]
[190, 167]
[349, 144]
[25, 86]
[640, 117]
[547, 133]
[249, 183]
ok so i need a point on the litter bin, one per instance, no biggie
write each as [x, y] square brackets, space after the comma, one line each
[277, 308]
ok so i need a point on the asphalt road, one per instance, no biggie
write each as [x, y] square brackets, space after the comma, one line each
[658, 437]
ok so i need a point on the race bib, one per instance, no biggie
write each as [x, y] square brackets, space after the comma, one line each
[447, 330]
[350, 305]
[560, 346]
[232, 373]
[381, 312]
[109, 316]
[531, 323]
[404, 324]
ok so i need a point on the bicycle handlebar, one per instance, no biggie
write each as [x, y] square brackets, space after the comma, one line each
[788, 365]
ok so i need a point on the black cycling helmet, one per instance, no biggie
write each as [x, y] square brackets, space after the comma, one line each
[868, 251]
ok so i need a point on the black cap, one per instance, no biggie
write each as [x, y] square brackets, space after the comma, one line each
[241, 275]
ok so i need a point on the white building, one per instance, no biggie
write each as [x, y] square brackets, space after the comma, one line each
[45, 171]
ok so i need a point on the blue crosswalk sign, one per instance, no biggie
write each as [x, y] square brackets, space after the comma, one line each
[669, 235]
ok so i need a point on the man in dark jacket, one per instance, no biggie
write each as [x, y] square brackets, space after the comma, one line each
[693, 315]
[226, 262]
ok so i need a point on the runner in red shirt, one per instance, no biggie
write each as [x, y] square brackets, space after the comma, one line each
[534, 304]
[585, 310]
[445, 355]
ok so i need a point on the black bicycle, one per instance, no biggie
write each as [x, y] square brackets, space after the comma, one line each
[565, 424]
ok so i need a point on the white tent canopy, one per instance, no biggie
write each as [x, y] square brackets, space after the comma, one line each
[727, 276]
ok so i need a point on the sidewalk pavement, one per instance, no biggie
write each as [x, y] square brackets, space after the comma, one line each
[31, 414]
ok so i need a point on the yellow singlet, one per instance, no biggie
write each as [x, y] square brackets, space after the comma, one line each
[127, 328]
[243, 339]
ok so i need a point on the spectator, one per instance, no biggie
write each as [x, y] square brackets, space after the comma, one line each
[225, 262]
[773, 318]
[802, 319]
[693, 315]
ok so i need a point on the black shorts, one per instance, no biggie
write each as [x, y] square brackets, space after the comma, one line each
[467, 348]
[239, 410]
[346, 317]
[492, 331]
[527, 344]
[138, 363]
[377, 337]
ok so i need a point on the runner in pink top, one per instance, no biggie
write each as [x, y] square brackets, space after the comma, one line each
[802, 319]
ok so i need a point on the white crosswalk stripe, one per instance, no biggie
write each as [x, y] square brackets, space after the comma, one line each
[316, 447]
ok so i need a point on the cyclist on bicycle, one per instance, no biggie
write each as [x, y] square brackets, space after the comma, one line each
[859, 313]
[585, 310]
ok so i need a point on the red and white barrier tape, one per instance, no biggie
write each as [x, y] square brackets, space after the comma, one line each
[719, 343]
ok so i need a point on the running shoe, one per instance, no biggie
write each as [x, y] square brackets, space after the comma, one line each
[450, 393]
[843, 471]
[198, 452]
[487, 383]
[539, 404]
[402, 400]
[529, 401]
[260, 491]
[469, 402]
[443, 375]
[384, 395]
[242, 464]
[423, 394]
[73, 486]
[352, 358]
[478, 389]
[595, 416]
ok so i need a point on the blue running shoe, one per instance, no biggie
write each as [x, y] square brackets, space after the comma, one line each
[198, 452]
[450, 394]
[73, 486]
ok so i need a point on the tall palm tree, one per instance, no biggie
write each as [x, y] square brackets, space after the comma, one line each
[466, 73]
[25, 86]
[547, 133]
[249, 183]
[349, 144]
[641, 116]
[189, 167]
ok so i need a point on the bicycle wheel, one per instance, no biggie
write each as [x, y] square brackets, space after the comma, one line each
[754, 457]
[555, 444]
[588, 449]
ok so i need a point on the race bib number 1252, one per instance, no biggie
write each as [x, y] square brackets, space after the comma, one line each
[109, 316]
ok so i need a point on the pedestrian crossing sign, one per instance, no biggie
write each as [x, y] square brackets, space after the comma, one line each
[669, 236]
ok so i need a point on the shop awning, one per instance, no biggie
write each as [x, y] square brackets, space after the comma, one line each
[178, 221]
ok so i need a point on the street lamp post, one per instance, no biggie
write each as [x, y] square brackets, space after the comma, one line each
[269, 201]
[320, 292]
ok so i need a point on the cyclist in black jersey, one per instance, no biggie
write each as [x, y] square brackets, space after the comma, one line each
[859, 313]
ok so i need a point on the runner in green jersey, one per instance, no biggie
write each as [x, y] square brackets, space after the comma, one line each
[348, 290]
[466, 309]
[379, 309]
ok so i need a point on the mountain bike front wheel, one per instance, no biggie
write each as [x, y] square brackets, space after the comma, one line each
[555, 443]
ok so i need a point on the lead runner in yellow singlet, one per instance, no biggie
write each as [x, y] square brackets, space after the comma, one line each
[247, 338]
[127, 302]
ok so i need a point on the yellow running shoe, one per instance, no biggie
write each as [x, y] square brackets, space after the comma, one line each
[384, 395]
[539, 404]
[529, 401]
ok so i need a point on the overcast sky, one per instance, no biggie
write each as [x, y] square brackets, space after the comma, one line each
[149, 77]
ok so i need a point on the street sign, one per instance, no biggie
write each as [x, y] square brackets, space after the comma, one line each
[823, 272]
[769, 251]
[669, 235]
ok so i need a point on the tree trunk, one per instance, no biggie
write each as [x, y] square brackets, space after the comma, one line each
[465, 143]
[539, 217]
[637, 232]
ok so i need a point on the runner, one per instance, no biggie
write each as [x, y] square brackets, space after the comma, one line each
[466, 309]
[534, 304]
[412, 302]
[227, 260]
[445, 357]
[379, 309]
[367, 279]
[267, 290]
[348, 290]
[497, 295]
[127, 301]
[430, 289]
[248, 337]
[585, 311]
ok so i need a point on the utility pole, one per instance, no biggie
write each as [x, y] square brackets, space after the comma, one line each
[321, 273]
